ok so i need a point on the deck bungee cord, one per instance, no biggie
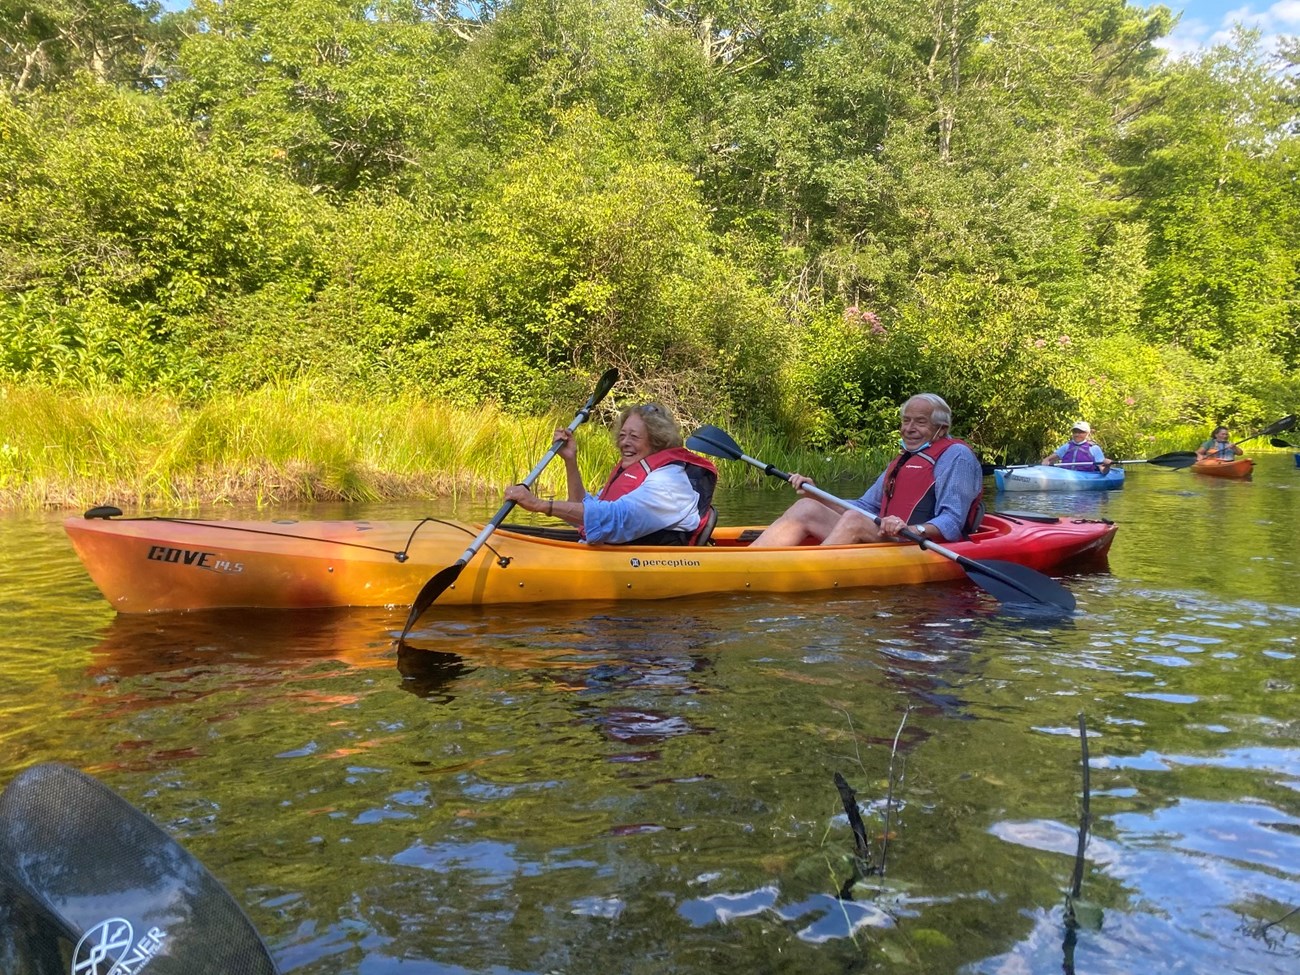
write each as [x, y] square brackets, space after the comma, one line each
[108, 513]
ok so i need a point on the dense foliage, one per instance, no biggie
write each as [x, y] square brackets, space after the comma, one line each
[788, 213]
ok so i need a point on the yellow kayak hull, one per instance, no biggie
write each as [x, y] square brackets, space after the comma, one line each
[145, 565]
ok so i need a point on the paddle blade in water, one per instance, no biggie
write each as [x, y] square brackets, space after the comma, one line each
[82, 867]
[430, 591]
[439, 583]
[1011, 582]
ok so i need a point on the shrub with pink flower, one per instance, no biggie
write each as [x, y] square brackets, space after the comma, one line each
[857, 316]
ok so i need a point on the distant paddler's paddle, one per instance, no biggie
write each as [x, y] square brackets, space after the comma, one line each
[1281, 426]
[1175, 460]
[1182, 459]
[1008, 582]
[1279, 442]
[80, 865]
[439, 584]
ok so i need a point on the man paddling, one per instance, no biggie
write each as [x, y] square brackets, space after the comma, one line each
[934, 486]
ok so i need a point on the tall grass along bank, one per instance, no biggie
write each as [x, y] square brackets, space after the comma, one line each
[73, 448]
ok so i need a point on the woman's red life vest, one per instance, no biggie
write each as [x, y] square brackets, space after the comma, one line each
[909, 487]
[699, 470]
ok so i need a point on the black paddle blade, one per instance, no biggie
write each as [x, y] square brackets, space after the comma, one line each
[1281, 426]
[714, 442]
[603, 385]
[1176, 460]
[430, 591]
[87, 876]
[1278, 426]
[1279, 442]
[1010, 582]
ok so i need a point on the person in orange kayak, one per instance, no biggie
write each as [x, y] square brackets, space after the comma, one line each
[1080, 453]
[934, 486]
[659, 493]
[1218, 447]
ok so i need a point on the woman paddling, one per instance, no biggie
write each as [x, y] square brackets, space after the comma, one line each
[1218, 447]
[659, 493]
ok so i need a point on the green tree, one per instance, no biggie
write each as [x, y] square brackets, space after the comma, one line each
[1216, 185]
[586, 252]
[45, 42]
[336, 93]
[118, 231]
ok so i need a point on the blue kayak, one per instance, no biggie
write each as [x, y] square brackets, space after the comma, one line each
[1044, 477]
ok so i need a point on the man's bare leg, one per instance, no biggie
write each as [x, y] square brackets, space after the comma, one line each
[805, 517]
[853, 527]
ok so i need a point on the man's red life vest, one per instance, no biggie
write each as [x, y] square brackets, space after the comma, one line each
[701, 472]
[909, 487]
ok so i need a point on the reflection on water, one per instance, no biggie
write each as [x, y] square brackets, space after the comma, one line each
[648, 788]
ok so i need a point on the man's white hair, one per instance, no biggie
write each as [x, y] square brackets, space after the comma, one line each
[940, 413]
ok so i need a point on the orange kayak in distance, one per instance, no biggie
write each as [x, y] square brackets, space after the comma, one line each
[1241, 467]
[147, 565]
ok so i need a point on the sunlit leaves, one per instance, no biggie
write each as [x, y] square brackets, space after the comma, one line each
[333, 92]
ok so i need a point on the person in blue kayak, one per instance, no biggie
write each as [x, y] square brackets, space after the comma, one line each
[934, 486]
[659, 493]
[1079, 453]
[1218, 447]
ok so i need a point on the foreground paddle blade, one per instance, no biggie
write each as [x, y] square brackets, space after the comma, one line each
[1011, 582]
[80, 866]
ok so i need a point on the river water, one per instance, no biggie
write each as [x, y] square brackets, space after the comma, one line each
[650, 788]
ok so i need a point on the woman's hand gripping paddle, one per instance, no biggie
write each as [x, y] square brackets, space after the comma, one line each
[441, 582]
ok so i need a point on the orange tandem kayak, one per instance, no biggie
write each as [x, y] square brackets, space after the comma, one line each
[1241, 467]
[144, 565]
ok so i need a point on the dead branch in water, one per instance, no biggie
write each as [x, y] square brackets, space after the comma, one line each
[1085, 818]
[863, 866]
[889, 794]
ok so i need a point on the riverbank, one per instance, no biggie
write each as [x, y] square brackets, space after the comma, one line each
[75, 449]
